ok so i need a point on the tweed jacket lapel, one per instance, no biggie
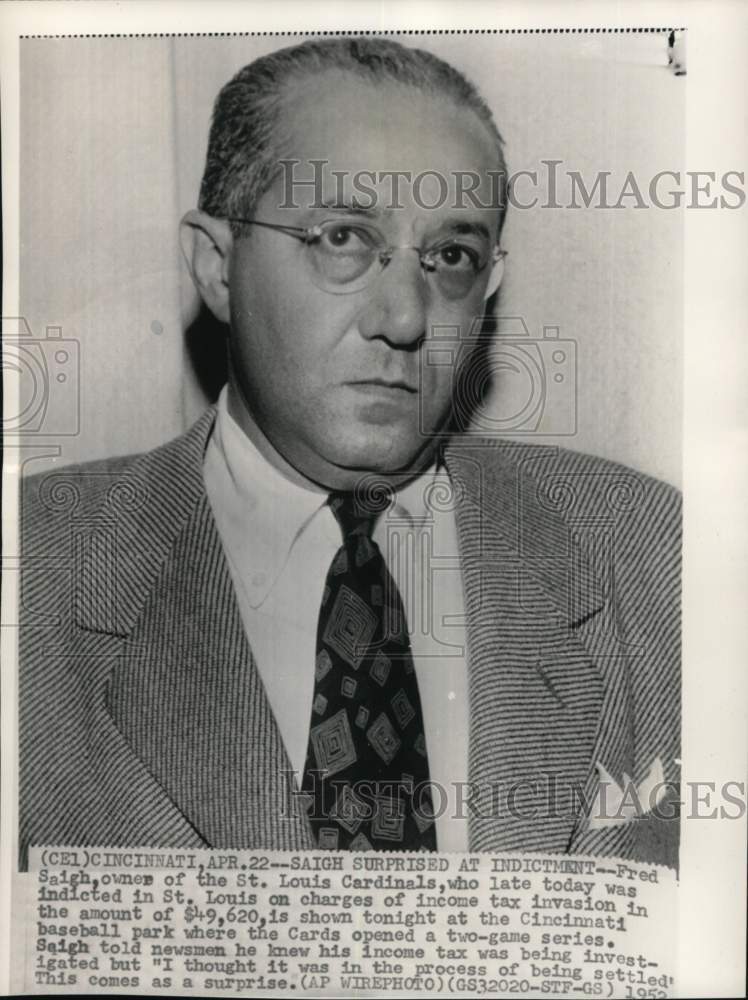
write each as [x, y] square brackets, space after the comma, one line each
[124, 804]
[184, 708]
[540, 715]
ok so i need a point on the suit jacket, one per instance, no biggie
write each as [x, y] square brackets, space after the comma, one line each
[143, 720]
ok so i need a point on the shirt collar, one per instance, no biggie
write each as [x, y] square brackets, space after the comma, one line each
[266, 512]
[415, 501]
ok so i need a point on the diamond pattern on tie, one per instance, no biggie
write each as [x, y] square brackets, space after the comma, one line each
[366, 773]
[350, 627]
[332, 743]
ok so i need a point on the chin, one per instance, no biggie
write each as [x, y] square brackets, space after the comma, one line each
[380, 452]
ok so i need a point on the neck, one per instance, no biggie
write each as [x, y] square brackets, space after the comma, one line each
[240, 413]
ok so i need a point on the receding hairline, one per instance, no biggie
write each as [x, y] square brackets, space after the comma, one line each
[290, 91]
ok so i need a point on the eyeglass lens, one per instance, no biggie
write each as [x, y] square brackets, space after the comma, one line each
[346, 257]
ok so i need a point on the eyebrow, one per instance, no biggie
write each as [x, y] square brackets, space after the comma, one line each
[469, 229]
[449, 227]
[344, 208]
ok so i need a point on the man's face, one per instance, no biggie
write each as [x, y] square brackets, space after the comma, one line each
[340, 383]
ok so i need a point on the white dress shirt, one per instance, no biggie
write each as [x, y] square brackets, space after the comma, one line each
[280, 537]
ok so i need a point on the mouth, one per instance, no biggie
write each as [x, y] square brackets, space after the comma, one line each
[382, 385]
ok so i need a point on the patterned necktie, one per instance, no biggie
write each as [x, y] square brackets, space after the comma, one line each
[366, 777]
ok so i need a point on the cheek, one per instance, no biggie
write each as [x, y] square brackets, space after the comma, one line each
[286, 335]
[438, 384]
[263, 317]
[443, 356]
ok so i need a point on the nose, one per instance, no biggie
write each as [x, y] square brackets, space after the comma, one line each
[396, 310]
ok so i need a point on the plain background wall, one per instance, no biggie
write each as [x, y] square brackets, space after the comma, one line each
[113, 138]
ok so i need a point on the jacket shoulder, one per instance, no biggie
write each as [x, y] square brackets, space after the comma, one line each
[104, 524]
[541, 457]
[73, 488]
[581, 488]
[116, 485]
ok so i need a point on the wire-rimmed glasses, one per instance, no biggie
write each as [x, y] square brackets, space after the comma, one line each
[346, 256]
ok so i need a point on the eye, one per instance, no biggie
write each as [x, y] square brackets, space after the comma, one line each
[456, 256]
[345, 239]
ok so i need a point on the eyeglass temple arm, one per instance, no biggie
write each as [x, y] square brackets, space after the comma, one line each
[297, 231]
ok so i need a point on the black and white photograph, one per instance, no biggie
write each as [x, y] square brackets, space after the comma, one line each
[346, 411]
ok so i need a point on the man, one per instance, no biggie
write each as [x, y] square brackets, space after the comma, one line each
[322, 617]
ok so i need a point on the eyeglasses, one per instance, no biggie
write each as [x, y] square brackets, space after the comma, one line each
[345, 257]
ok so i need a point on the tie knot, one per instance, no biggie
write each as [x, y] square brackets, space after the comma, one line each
[355, 516]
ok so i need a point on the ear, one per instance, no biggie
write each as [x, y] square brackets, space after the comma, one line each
[495, 278]
[207, 244]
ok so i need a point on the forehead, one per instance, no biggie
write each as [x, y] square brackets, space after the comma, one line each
[359, 126]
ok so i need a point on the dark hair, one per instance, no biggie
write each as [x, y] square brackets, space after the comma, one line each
[242, 162]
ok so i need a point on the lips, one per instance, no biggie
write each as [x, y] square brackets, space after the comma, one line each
[383, 383]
